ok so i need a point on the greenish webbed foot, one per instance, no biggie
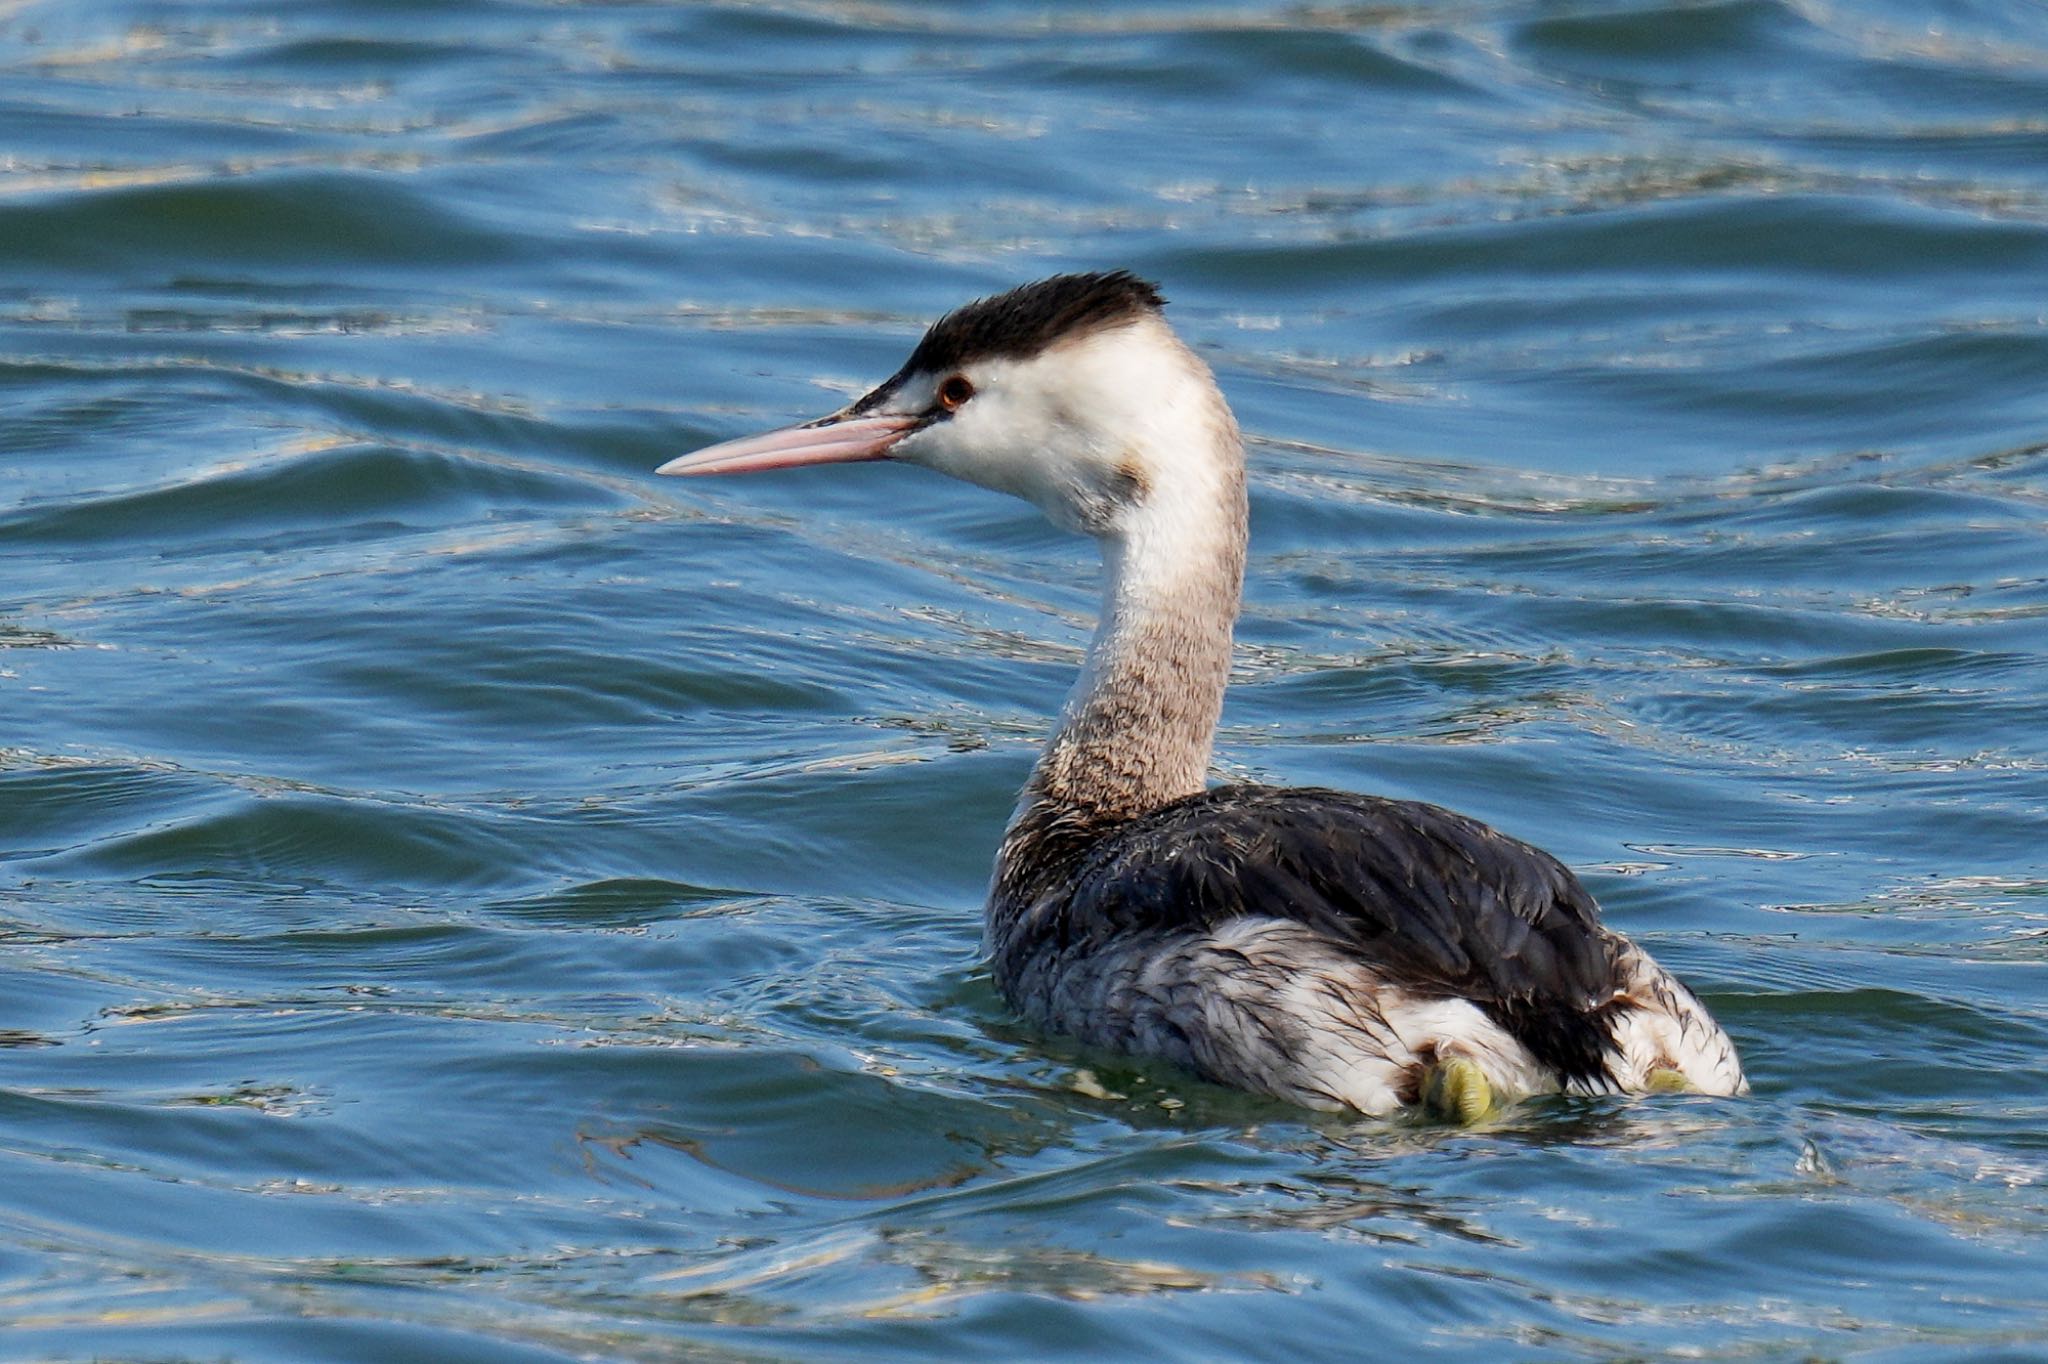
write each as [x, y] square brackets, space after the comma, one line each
[1456, 1090]
[1664, 1080]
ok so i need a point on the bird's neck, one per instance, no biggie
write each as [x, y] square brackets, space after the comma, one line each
[1137, 728]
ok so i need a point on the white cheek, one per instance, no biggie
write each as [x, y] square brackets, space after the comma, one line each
[1008, 440]
[1024, 433]
[1065, 428]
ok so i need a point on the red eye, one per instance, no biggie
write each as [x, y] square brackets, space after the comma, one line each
[954, 392]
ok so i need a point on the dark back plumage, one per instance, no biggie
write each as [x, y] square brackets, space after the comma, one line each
[1440, 904]
[1028, 319]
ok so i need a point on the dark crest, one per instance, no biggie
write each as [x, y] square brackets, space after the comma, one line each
[1030, 318]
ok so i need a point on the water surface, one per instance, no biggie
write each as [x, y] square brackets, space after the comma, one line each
[466, 899]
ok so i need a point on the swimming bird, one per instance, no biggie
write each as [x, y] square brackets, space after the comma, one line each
[1335, 950]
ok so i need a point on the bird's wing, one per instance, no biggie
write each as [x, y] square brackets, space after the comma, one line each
[1430, 899]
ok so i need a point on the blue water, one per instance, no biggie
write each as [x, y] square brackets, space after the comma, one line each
[464, 898]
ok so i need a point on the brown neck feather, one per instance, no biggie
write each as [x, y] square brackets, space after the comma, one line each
[1137, 729]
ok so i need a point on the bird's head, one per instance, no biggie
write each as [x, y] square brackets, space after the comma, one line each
[1072, 393]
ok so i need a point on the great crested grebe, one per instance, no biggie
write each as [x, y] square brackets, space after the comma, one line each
[1335, 950]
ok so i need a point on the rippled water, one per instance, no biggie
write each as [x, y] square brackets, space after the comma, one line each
[464, 898]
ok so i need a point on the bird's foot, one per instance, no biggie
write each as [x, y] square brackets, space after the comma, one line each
[1456, 1090]
[1664, 1080]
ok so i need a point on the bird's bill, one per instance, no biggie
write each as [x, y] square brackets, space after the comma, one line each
[834, 440]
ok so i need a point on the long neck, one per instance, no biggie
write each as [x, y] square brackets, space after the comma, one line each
[1138, 726]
